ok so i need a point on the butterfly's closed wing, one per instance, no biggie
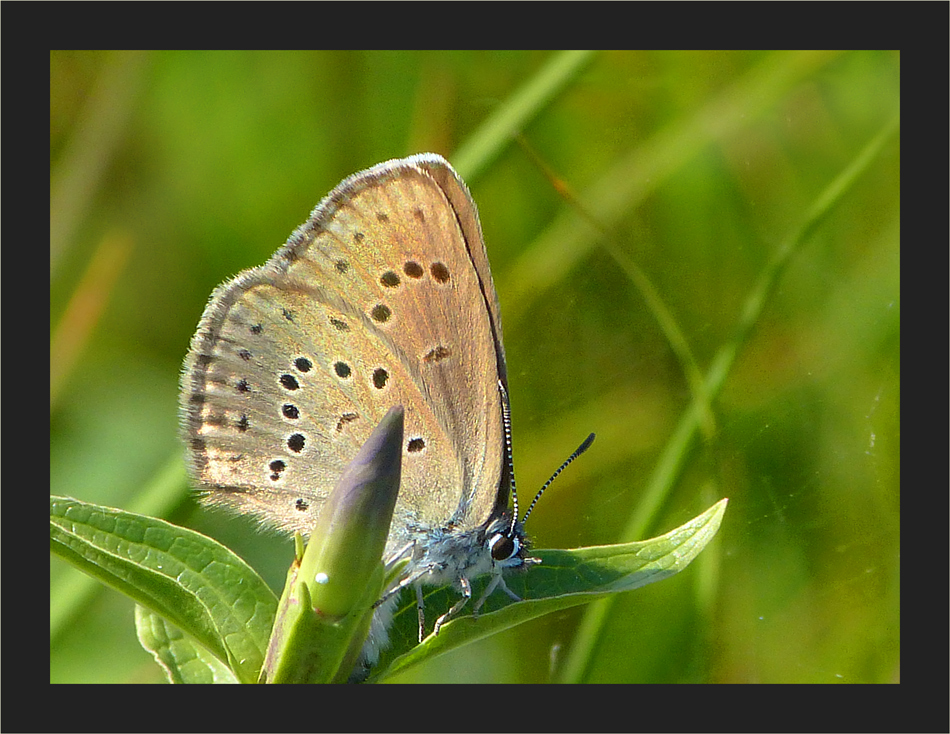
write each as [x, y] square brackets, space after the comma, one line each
[382, 298]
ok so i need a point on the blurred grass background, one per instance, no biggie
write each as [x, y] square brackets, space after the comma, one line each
[170, 172]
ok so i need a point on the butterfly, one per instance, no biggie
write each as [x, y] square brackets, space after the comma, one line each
[382, 297]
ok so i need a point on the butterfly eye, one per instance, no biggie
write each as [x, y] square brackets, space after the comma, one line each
[502, 547]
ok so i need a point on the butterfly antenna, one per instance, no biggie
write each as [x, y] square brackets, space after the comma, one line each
[506, 423]
[580, 450]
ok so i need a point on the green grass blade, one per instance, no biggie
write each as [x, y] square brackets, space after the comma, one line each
[677, 448]
[517, 111]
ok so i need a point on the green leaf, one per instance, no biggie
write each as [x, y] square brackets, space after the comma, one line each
[189, 579]
[565, 578]
[183, 660]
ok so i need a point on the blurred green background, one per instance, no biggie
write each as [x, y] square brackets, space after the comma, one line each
[170, 172]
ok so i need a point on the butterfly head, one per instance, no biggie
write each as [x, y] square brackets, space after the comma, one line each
[506, 542]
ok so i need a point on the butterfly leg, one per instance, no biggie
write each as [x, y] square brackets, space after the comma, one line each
[466, 595]
[420, 607]
[509, 592]
[496, 582]
[405, 581]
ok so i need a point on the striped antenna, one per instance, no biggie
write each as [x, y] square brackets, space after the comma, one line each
[580, 450]
[506, 422]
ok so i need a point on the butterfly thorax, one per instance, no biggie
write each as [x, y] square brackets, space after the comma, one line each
[445, 555]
